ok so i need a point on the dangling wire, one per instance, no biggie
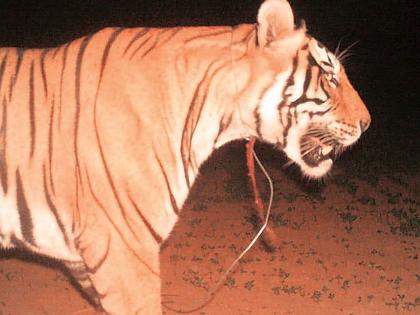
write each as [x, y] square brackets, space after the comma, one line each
[212, 293]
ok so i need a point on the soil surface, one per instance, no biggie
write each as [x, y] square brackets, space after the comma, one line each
[349, 245]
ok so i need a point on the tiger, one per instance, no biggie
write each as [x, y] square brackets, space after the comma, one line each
[102, 138]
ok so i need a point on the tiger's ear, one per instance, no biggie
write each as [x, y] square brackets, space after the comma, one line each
[276, 24]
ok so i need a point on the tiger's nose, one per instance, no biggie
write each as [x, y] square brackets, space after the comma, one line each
[364, 125]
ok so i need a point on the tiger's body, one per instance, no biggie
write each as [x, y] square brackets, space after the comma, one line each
[101, 139]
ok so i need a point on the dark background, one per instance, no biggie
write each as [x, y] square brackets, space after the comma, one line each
[383, 66]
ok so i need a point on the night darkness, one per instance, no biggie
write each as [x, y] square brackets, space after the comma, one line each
[383, 67]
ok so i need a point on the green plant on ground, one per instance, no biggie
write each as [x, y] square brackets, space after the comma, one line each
[408, 222]
[249, 284]
[367, 200]
[194, 278]
[348, 218]
[230, 282]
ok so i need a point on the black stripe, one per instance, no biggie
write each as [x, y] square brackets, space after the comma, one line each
[140, 46]
[108, 46]
[304, 99]
[135, 38]
[193, 117]
[95, 197]
[80, 272]
[157, 41]
[319, 113]
[24, 212]
[223, 124]
[171, 195]
[324, 63]
[100, 262]
[19, 54]
[152, 231]
[76, 211]
[206, 35]
[174, 31]
[43, 73]
[201, 102]
[3, 146]
[329, 58]
[308, 78]
[17, 243]
[53, 208]
[244, 39]
[291, 78]
[312, 62]
[319, 79]
[290, 81]
[78, 74]
[187, 136]
[56, 51]
[3, 67]
[63, 69]
[51, 141]
[322, 86]
[287, 127]
[3, 132]
[77, 86]
[32, 109]
[92, 192]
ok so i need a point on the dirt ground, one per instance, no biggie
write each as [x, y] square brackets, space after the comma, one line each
[349, 246]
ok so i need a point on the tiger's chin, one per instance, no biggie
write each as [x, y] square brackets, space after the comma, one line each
[318, 163]
[315, 165]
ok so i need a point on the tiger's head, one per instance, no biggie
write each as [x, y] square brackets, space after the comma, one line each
[320, 112]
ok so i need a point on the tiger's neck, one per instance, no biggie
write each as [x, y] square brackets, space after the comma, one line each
[225, 100]
[213, 118]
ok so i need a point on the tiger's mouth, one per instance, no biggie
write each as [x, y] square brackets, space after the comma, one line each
[318, 153]
[319, 150]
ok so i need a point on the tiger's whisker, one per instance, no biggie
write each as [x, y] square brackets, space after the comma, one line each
[308, 151]
[288, 164]
[342, 55]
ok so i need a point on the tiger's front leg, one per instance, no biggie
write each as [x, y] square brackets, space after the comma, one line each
[127, 282]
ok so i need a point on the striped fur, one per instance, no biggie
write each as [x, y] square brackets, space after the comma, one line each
[101, 139]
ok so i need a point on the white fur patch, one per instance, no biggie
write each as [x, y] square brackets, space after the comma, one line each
[48, 236]
[319, 171]
[322, 54]
[9, 220]
[271, 129]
